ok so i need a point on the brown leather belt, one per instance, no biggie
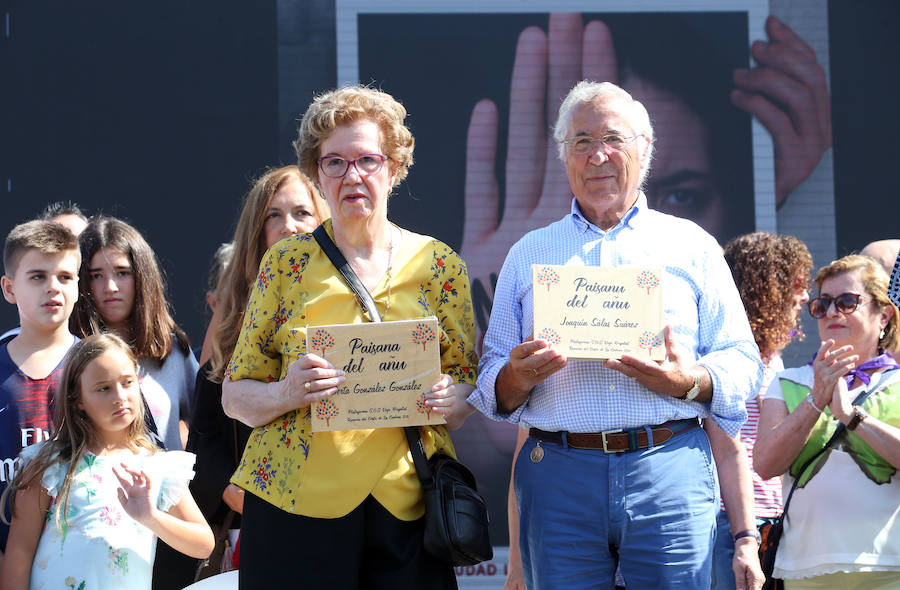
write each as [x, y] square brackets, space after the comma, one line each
[618, 441]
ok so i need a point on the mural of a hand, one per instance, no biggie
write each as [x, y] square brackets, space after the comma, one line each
[788, 93]
[536, 188]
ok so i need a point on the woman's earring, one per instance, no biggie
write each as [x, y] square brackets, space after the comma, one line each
[881, 335]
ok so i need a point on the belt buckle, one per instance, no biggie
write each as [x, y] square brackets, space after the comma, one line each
[603, 437]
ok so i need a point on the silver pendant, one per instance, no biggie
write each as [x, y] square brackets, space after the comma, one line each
[537, 453]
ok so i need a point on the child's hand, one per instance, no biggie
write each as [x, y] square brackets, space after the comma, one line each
[135, 495]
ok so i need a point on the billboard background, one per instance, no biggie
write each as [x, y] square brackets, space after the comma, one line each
[161, 113]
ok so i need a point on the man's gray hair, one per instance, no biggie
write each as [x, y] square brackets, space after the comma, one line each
[588, 91]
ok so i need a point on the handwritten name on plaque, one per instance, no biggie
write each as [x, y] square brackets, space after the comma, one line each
[389, 366]
[596, 312]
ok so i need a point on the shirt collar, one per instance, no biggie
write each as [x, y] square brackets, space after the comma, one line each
[631, 219]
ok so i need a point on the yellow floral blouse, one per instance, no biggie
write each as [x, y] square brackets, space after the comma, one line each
[328, 474]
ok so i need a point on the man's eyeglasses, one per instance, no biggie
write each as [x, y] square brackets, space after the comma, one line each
[584, 145]
[336, 166]
[845, 303]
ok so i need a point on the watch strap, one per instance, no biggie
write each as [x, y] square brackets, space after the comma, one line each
[694, 391]
[858, 416]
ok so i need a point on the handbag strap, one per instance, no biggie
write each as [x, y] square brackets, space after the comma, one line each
[417, 448]
[413, 437]
[863, 396]
[337, 259]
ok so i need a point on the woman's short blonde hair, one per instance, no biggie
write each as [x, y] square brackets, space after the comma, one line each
[875, 281]
[348, 105]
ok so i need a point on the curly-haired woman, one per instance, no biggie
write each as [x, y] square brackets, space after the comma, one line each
[771, 273]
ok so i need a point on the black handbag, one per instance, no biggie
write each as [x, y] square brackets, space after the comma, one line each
[456, 516]
[770, 536]
[218, 560]
[771, 532]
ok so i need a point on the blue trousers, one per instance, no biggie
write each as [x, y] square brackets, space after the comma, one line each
[652, 512]
[723, 555]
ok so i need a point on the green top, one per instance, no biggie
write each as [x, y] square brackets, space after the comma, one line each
[884, 405]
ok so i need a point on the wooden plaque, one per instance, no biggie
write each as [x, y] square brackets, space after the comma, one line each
[389, 367]
[596, 312]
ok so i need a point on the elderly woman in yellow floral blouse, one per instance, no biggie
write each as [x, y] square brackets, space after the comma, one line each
[343, 509]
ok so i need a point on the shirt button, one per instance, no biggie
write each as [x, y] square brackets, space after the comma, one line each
[612, 387]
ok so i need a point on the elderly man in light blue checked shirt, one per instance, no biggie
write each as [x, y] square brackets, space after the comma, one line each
[645, 498]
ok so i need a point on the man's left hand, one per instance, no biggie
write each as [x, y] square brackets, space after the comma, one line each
[669, 377]
[748, 574]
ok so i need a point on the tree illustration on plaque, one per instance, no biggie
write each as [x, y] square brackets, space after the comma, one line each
[647, 280]
[326, 410]
[549, 336]
[321, 340]
[649, 340]
[422, 408]
[547, 276]
[423, 334]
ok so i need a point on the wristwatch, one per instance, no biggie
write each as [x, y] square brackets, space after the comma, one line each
[858, 416]
[749, 533]
[693, 392]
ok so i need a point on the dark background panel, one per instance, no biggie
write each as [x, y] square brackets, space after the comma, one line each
[865, 54]
[307, 62]
[158, 113]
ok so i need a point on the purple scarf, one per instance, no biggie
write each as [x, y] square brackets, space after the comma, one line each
[883, 360]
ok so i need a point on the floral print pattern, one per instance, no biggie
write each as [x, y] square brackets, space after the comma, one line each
[118, 560]
[294, 289]
[110, 516]
[96, 545]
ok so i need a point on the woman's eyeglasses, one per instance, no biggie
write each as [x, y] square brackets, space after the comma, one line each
[336, 166]
[845, 303]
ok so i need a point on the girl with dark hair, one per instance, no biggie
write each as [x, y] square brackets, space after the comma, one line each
[123, 291]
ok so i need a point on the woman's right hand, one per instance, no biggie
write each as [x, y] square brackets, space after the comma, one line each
[829, 366]
[314, 378]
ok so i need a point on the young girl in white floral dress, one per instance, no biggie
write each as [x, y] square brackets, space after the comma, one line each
[91, 501]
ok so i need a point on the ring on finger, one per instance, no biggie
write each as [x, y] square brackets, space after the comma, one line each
[535, 372]
[307, 385]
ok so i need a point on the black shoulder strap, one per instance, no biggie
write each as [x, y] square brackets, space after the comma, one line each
[337, 259]
[863, 396]
[417, 448]
[413, 437]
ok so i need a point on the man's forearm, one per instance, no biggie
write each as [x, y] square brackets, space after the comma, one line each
[510, 393]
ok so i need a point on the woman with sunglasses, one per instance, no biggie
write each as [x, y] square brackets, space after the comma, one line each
[843, 524]
[343, 509]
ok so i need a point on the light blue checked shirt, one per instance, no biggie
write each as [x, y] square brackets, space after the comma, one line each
[700, 302]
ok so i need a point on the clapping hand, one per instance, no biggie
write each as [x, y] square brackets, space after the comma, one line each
[830, 365]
